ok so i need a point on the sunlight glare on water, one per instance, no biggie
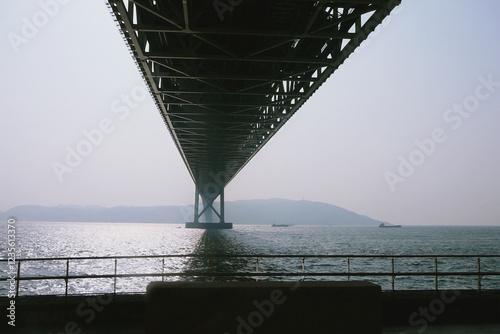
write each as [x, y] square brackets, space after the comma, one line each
[46, 240]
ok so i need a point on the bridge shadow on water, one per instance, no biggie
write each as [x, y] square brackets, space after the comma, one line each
[219, 243]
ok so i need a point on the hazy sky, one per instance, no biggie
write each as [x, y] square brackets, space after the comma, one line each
[406, 131]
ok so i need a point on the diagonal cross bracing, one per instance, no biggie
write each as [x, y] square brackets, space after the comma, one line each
[226, 75]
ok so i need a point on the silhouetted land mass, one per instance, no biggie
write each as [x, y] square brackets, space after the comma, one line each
[270, 211]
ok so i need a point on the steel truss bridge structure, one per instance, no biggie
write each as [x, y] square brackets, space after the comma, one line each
[226, 75]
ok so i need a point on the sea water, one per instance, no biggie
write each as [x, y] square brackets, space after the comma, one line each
[70, 239]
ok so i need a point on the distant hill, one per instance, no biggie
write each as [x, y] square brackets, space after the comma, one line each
[270, 211]
[75, 213]
[282, 211]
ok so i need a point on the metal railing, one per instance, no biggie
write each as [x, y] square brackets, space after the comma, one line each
[258, 273]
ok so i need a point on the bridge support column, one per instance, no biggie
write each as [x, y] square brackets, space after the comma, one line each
[221, 198]
[208, 209]
[196, 205]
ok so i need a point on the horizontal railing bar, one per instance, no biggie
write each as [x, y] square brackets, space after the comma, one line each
[143, 293]
[251, 274]
[250, 256]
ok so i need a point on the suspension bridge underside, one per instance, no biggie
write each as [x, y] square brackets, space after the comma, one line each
[226, 75]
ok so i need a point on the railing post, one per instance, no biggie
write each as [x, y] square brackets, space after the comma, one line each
[66, 278]
[348, 268]
[436, 273]
[114, 288]
[18, 277]
[163, 269]
[392, 272]
[303, 265]
[257, 268]
[479, 274]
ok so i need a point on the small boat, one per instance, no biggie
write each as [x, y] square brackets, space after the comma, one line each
[280, 225]
[387, 226]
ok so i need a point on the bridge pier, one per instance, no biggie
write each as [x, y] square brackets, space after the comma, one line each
[208, 209]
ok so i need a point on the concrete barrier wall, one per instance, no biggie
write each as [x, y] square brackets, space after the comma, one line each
[74, 314]
[263, 307]
[95, 313]
[422, 308]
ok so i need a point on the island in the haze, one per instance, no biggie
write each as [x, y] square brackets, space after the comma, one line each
[262, 212]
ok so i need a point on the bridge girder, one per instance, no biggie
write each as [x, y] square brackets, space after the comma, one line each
[225, 79]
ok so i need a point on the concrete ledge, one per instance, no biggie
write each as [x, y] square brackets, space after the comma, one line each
[263, 307]
[126, 313]
[441, 307]
[214, 226]
[52, 314]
